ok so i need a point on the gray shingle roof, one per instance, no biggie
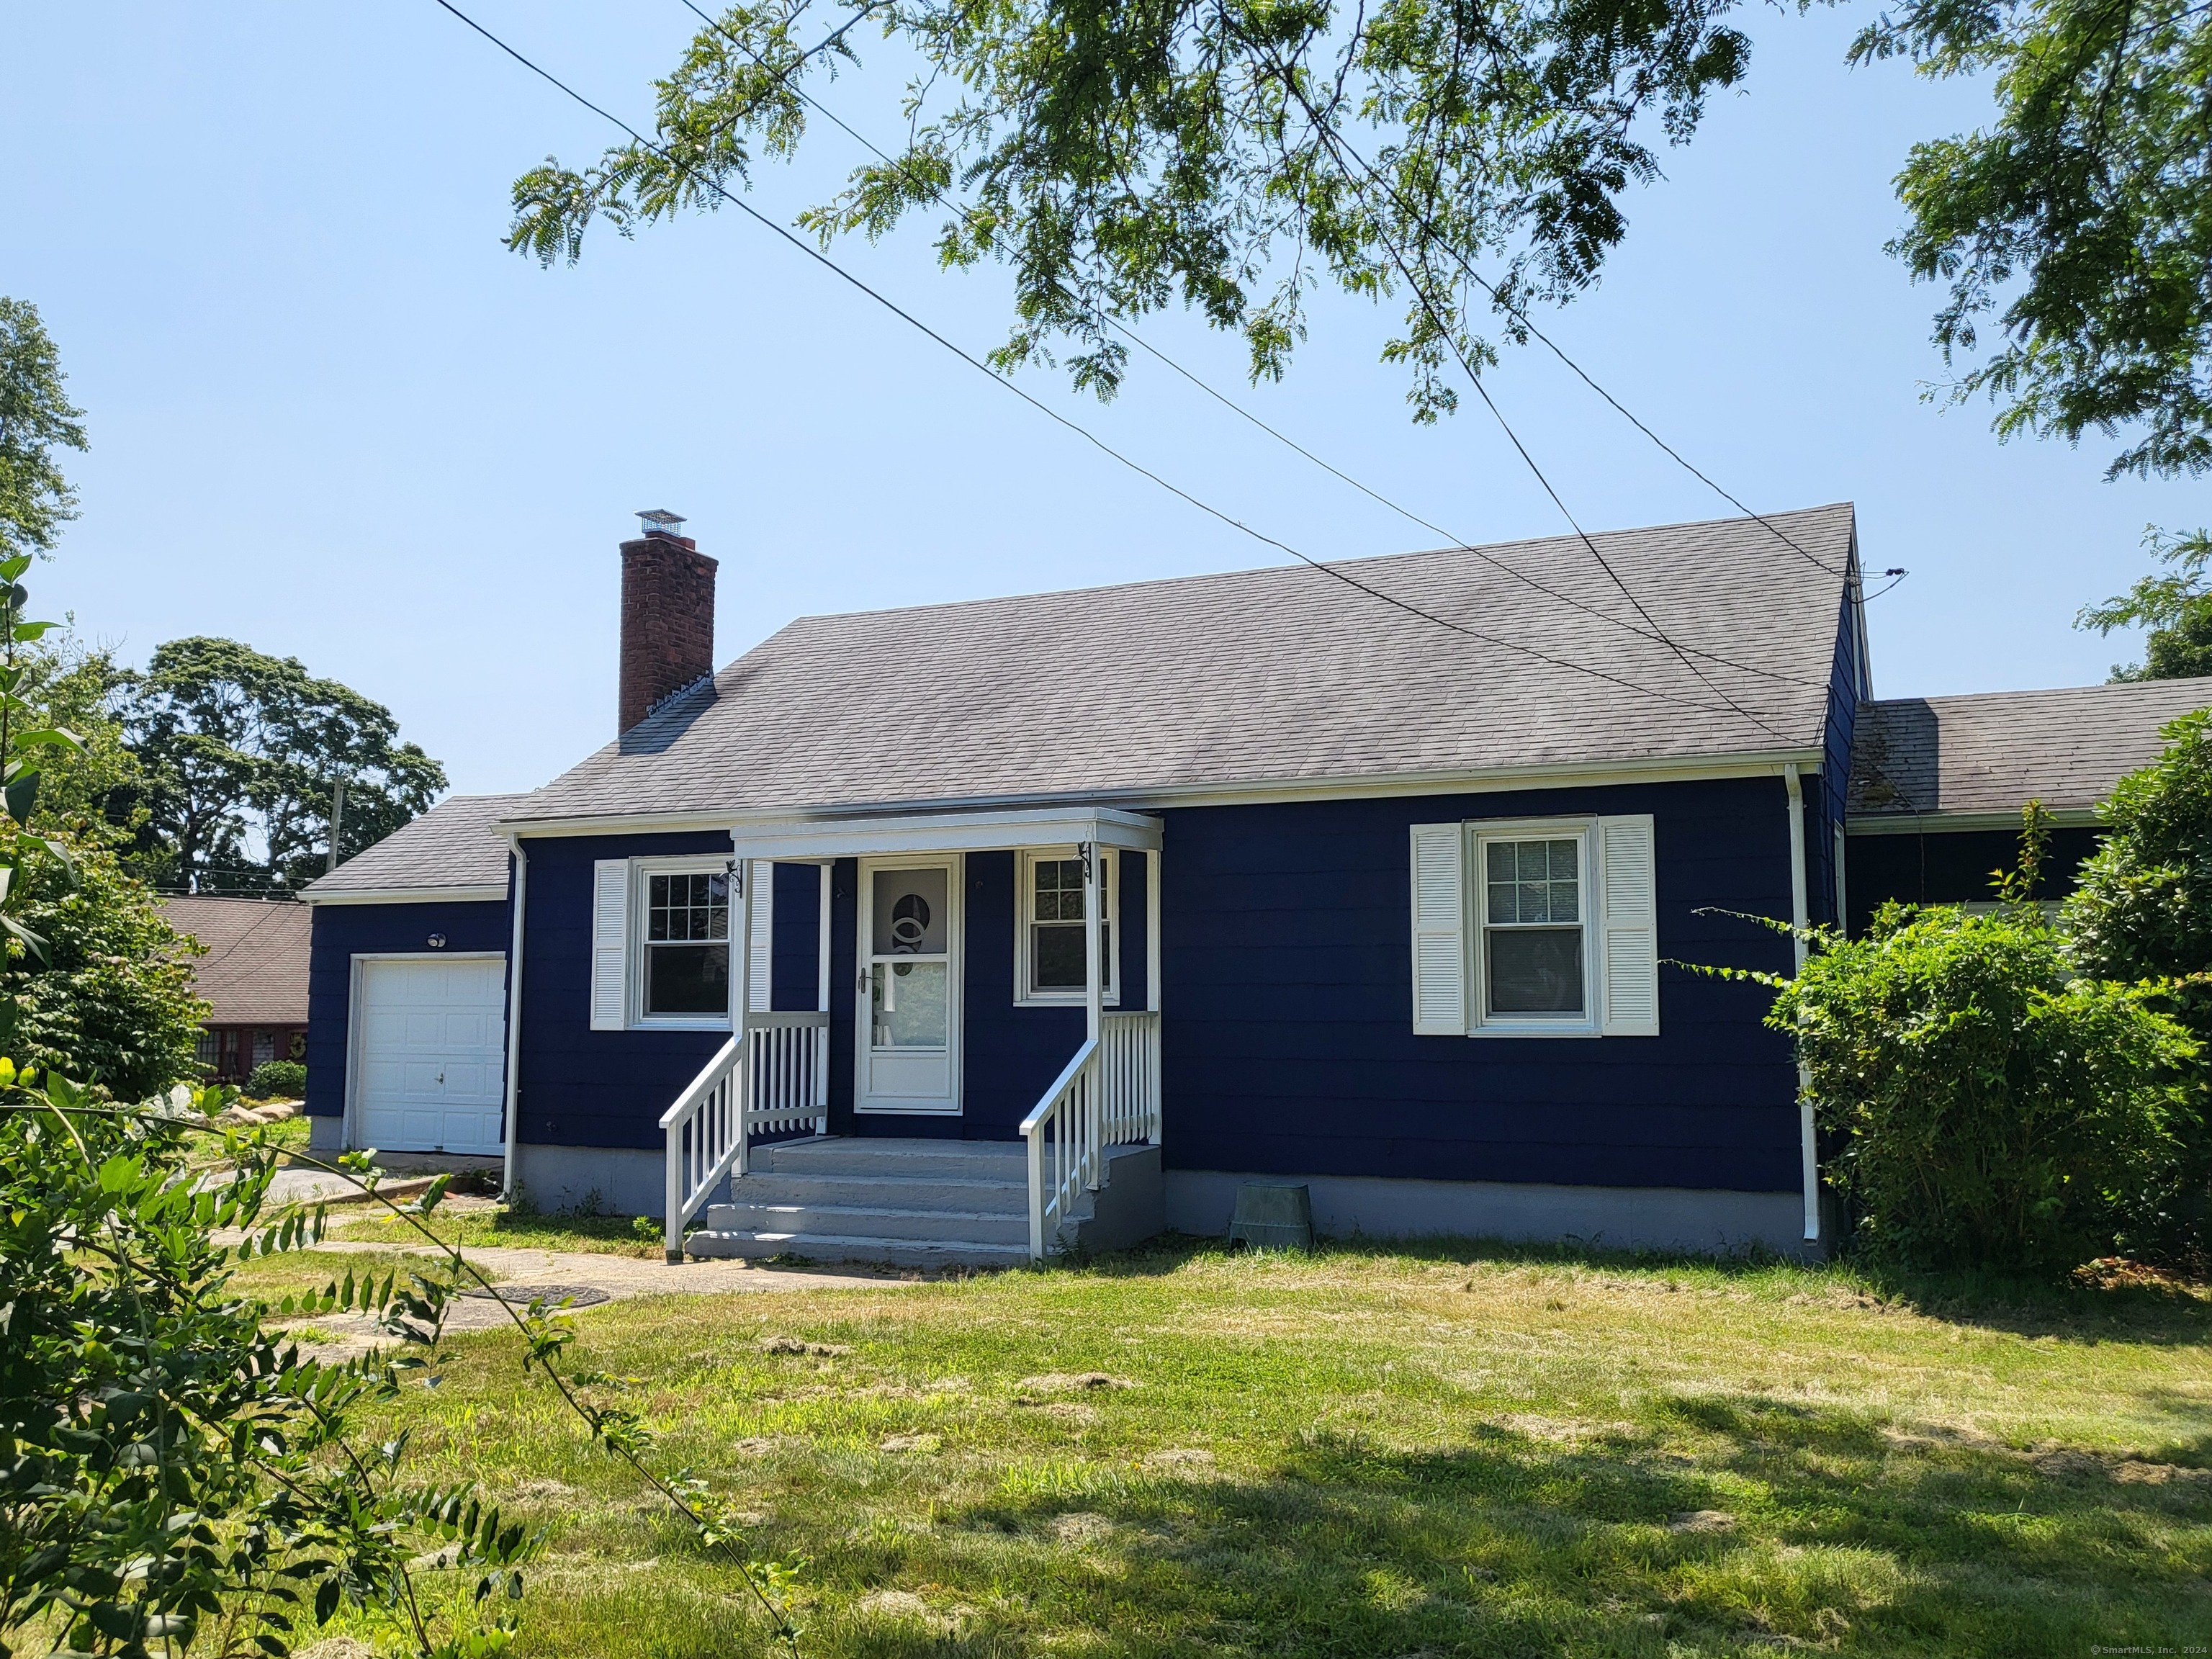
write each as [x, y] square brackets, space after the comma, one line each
[255, 971]
[452, 845]
[1260, 677]
[1994, 752]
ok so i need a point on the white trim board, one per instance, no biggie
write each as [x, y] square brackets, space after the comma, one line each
[1132, 801]
[801, 841]
[478, 895]
[1945, 823]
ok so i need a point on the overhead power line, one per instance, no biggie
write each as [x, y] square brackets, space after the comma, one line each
[1450, 338]
[823, 260]
[1521, 315]
[1105, 319]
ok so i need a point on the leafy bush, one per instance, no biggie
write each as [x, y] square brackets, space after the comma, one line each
[170, 1468]
[112, 1000]
[2143, 910]
[1996, 1109]
[276, 1080]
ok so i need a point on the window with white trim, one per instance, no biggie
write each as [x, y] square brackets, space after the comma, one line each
[1532, 952]
[684, 949]
[1536, 928]
[1049, 925]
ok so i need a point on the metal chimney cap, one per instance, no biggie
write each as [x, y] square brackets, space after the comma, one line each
[660, 521]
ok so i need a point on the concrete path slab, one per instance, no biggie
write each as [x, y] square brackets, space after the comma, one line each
[620, 1278]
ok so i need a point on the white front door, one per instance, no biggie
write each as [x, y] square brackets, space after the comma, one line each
[432, 1036]
[909, 991]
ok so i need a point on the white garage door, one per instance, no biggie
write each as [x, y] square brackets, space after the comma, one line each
[433, 1037]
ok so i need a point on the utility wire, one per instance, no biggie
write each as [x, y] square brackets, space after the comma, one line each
[1080, 431]
[1520, 315]
[1428, 308]
[1657, 635]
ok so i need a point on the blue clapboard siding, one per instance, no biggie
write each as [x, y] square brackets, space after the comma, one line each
[337, 933]
[1825, 795]
[1287, 1037]
[581, 1087]
[1287, 1030]
[1953, 867]
[795, 943]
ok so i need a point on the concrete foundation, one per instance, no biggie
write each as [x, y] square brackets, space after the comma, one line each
[595, 1180]
[1129, 1206]
[1620, 1218]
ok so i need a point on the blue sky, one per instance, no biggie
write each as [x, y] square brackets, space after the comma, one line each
[332, 417]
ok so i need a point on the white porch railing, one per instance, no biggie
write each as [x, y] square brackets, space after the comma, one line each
[1108, 1094]
[771, 1077]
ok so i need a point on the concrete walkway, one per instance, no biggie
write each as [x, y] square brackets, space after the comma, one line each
[615, 1278]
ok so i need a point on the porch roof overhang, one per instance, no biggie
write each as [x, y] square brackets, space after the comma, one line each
[804, 837]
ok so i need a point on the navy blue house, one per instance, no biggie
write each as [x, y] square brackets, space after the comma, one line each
[973, 931]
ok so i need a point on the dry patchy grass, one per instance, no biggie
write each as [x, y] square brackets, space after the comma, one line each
[1375, 1453]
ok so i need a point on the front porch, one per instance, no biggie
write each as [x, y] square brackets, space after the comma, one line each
[915, 1039]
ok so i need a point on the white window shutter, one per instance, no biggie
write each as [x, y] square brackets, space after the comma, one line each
[1439, 931]
[610, 945]
[1628, 927]
[762, 874]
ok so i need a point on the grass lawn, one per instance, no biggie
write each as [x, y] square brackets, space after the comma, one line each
[1367, 1452]
[524, 1230]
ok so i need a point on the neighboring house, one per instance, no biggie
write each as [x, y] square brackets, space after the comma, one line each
[1938, 784]
[1071, 913]
[254, 975]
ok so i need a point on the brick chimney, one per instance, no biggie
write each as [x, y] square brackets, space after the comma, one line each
[667, 616]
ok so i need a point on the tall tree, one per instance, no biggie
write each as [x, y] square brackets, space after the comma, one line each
[2175, 606]
[242, 753]
[1467, 158]
[1225, 156]
[2078, 221]
[35, 420]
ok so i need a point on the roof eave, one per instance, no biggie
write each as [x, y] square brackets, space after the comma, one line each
[1587, 774]
[1913, 823]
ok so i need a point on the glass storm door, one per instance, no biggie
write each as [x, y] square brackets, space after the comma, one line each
[909, 990]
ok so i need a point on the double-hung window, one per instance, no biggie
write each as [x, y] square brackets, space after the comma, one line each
[686, 944]
[1049, 925]
[1536, 928]
[1535, 960]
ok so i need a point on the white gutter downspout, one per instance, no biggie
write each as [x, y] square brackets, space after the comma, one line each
[1800, 921]
[520, 892]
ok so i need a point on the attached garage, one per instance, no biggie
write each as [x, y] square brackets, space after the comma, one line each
[408, 986]
[429, 1064]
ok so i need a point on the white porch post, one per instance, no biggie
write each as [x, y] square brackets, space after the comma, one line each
[1094, 1004]
[822, 1005]
[741, 992]
[1152, 1066]
[1153, 930]
[1094, 992]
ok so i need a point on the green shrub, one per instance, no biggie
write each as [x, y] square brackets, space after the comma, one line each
[1996, 1108]
[276, 1080]
[2143, 910]
[111, 998]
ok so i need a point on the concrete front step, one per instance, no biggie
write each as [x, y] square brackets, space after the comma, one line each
[838, 1247]
[1004, 1226]
[902, 1192]
[918, 1203]
[858, 1198]
[857, 1155]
